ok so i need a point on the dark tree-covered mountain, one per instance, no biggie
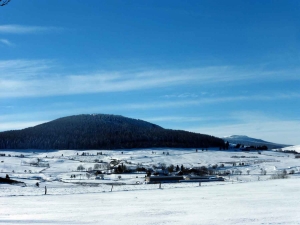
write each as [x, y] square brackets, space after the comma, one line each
[101, 131]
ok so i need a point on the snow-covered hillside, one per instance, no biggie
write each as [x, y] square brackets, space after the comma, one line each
[245, 140]
[58, 170]
[292, 148]
[248, 195]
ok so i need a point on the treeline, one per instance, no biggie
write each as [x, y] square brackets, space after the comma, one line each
[101, 131]
[262, 147]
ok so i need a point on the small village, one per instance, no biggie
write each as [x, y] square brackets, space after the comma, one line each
[144, 167]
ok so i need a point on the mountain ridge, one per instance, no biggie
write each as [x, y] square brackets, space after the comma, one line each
[245, 140]
[102, 131]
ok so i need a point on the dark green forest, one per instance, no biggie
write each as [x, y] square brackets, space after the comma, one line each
[102, 131]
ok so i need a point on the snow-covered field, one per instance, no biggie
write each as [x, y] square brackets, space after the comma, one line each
[241, 199]
[264, 202]
[292, 148]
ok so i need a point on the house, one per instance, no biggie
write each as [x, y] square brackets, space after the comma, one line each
[202, 178]
[10, 181]
[163, 179]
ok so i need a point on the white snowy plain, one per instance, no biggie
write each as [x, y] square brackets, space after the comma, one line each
[240, 199]
[292, 148]
[261, 202]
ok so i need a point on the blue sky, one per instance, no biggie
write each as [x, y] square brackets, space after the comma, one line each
[213, 67]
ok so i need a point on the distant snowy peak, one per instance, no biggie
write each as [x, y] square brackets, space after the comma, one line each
[245, 140]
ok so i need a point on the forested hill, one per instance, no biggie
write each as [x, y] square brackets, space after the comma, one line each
[101, 131]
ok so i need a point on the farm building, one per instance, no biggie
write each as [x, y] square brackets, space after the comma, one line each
[202, 179]
[163, 179]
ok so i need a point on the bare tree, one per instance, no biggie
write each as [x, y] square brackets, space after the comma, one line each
[239, 172]
[171, 168]
[97, 166]
[279, 175]
[88, 175]
[163, 166]
[263, 171]
[4, 2]
[80, 167]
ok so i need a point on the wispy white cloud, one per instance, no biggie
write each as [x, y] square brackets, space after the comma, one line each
[206, 100]
[6, 42]
[29, 78]
[24, 69]
[255, 124]
[51, 111]
[21, 29]
[277, 131]
[183, 95]
[20, 78]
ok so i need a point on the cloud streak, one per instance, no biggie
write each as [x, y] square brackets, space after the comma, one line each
[6, 42]
[277, 131]
[255, 124]
[20, 29]
[36, 78]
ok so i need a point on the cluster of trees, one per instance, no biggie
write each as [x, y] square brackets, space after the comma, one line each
[262, 147]
[280, 175]
[291, 151]
[181, 170]
[102, 131]
[121, 169]
[225, 146]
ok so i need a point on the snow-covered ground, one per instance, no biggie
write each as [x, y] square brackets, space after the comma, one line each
[64, 163]
[241, 199]
[264, 202]
[292, 148]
